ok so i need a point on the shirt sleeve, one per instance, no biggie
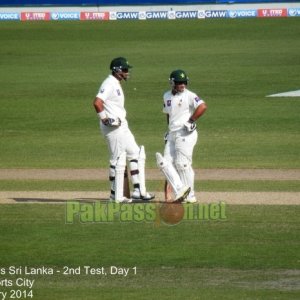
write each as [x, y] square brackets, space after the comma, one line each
[165, 103]
[104, 92]
[165, 108]
[195, 100]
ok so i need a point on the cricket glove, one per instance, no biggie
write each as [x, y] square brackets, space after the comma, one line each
[110, 122]
[190, 125]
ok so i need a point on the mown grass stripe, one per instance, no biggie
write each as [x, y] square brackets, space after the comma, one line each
[153, 185]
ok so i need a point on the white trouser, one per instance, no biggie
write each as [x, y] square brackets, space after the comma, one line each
[179, 151]
[120, 140]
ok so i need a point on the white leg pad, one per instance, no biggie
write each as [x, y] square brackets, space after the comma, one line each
[141, 167]
[185, 171]
[112, 177]
[119, 178]
[134, 171]
[170, 172]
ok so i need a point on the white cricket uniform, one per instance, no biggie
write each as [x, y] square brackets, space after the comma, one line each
[180, 108]
[180, 143]
[120, 138]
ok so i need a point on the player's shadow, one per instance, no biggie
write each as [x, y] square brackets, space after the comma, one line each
[46, 200]
[89, 200]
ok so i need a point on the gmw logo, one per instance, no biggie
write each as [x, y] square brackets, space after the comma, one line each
[193, 14]
[156, 15]
[216, 13]
[127, 15]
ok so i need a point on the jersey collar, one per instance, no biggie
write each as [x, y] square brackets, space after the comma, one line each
[114, 78]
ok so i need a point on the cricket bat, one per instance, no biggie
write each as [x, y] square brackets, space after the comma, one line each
[168, 192]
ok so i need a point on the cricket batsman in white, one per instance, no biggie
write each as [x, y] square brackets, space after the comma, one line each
[109, 105]
[183, 108]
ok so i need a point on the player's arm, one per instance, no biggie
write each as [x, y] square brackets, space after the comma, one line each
[190, 125]
[99, 107]
[199, 111]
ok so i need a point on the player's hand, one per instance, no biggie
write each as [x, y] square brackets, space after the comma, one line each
[190, 125]
[110, 122]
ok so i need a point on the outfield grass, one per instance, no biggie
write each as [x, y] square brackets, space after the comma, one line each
[152, 185]
[253, 254]
[50, 73]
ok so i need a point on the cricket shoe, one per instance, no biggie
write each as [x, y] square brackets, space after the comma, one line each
[124, 200]
[190, 200]
[181, 196]
[136, 195]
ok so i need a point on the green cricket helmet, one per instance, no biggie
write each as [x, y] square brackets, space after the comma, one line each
[178, 76]
[119, 64]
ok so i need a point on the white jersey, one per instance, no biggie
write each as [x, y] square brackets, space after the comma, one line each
[111, 93]
[180, 107]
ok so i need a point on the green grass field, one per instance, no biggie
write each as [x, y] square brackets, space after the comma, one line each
[50, 73]
[152, 185]
[253, 254]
